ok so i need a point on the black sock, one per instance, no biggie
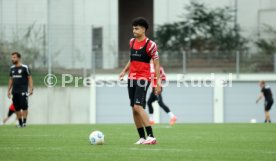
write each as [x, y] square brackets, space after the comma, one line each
[149, 131]
[141, 132]
[24, 121]
[20, 122]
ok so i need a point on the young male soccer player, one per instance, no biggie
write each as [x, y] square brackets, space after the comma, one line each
[20, 86]
[267, 94]
[153, 97]
[142, 50]
[11, 111]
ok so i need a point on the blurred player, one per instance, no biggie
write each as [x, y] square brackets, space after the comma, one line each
[11, 111]
[267, 94]
[153, 97]
[20, 86]
[142, 50]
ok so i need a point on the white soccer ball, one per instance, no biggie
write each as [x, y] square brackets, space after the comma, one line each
[253, 121]
[96, 138]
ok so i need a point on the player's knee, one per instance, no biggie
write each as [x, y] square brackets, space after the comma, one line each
[161, 103]
[135, 112]
[136, 108]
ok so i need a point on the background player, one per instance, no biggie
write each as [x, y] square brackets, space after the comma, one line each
[153, 97]
[10, 112]
[21, 85]
[267, 94]
[142, 50]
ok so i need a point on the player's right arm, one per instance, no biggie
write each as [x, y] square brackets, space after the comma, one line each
[9, 87]
[260, 97]
[126, 68]
[123, 73]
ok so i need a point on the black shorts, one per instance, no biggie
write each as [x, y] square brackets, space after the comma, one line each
[137, 92]
[268, 105]
[10, 113]
[20, 101]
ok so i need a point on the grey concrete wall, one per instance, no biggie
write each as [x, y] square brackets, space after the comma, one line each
[113, 105]
[190, 104]
[240, 102]
[53, 105]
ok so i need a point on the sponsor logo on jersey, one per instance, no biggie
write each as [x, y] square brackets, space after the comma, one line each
[17, 76]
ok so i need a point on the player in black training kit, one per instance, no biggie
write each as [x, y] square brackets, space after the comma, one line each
[267, 94]
[20, 86]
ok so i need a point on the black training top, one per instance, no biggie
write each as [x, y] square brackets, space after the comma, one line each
[140, 55]
[267, 93]
[19, 76]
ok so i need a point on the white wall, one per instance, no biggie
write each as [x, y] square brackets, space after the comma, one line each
[104, 14]
[77, 21]
[70, 23]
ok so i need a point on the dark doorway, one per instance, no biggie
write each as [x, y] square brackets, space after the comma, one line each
[128, 10]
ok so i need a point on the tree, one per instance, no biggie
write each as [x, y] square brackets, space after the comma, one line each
[29, 42]
[202, 29]
[265, 44]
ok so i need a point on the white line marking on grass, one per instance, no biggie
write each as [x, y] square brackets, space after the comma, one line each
[162, 127]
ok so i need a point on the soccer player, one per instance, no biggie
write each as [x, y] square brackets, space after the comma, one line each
[142, 50]
[153, 97]
[267, 94]
[20, 86]
[11, 111]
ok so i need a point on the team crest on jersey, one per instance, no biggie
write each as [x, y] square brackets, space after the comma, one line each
[19, 71]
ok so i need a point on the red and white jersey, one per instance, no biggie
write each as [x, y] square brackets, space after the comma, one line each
[140, 63]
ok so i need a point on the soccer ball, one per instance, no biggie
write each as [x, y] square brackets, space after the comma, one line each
[253, 121]
[96, 138]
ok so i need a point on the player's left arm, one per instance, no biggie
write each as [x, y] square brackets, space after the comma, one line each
[260, 97]
[30, 81]
[155, 57]
[157, 73]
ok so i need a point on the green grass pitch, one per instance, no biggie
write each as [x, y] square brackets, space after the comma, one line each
[183, 142]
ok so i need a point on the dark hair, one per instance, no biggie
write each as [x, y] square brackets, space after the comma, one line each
[17, 54]
[262, 82]
[140, 21]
